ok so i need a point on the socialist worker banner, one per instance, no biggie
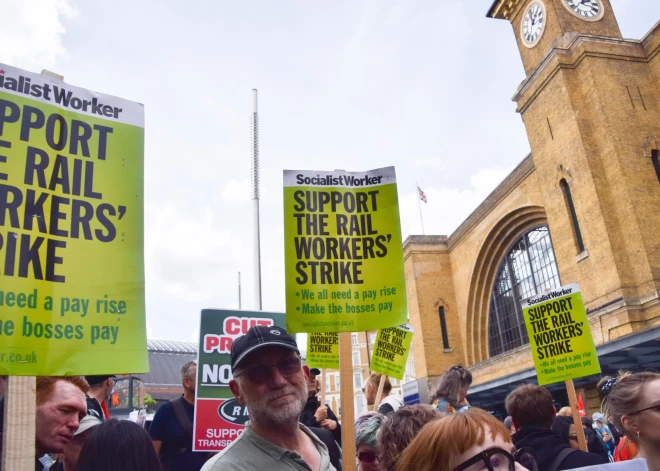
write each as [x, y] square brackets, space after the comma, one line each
[219, 418]
[391, 351]
[343, 251]
[71, 229]
[559, 335]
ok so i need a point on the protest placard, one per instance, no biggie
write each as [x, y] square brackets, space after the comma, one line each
[559, 335]
[391, 351]
[71, 229]
[323, 350]
[219, 418]
[343, 251]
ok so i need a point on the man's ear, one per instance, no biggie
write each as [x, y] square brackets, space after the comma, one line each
[236, 391]
[515, 423]
[306, 370]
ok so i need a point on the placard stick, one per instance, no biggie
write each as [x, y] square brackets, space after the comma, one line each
[322, 386]
[18, 437]
[346, 389]
[381, 385]
[577, 422]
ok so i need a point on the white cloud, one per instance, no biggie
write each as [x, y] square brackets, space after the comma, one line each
[237, 190]
[31, 32]
[435, 164]
[448, 207]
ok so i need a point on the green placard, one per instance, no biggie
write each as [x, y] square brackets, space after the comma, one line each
[71, 229]
[391, 351]
[343, 251]
[323, 350]
[559, 334]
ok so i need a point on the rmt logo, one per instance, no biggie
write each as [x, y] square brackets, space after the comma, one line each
[233, 412]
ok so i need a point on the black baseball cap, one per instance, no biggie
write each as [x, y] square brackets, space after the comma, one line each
[94, 380]
[258, 337]
[315, 371]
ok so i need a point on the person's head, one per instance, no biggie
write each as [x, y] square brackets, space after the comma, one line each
[530, 404]
[458, 441]
[565, 412]
[74, 447]
[189, 376]
[453, 386]
[633, 403]
[366, 440]
[398, 431]
[312, 386]
[563, 426]
[101, 386]
[371, 388]
[118, 444]
[269, 377]
[508, 423]
[61, 405]
[598, 419]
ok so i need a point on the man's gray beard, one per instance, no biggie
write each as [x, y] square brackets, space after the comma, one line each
[260, 411]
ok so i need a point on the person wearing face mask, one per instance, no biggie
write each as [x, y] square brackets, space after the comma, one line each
[471, 441]
[451, 390]
[633, 403]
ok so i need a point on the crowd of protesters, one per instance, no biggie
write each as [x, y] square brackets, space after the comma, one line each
[289, 428]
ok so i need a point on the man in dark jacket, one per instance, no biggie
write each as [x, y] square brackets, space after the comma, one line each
[531, 410]
[316, 415]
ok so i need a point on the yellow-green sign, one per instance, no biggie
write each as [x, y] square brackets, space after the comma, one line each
[71, 229]
[343, 251]
[391, 351]
[323, 350]
[559, 335]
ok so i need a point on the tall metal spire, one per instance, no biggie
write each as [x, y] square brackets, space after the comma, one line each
[255, 200]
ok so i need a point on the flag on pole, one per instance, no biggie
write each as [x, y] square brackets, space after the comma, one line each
[422, 196]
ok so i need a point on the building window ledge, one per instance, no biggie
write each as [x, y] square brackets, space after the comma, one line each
[581, 256]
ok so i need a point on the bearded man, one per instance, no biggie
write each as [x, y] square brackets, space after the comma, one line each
[271, 381]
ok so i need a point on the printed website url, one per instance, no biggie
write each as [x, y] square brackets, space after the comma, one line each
[328, 324]
[18, 357]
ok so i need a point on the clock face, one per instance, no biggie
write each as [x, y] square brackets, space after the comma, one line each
[590, 10]
[533, 24]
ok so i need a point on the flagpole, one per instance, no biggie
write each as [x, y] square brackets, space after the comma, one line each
[420, 208]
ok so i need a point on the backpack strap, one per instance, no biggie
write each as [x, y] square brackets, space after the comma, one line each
[559, 459]
[182, 416]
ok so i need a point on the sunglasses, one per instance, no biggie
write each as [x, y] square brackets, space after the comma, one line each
[260, 374]
[573, 438]
[655, 408]
[497, 459]
[367, 456]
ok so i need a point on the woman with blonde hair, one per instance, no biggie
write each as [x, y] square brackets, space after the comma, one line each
[471, 440]
[633, 403]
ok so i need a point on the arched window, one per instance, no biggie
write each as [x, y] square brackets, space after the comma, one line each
[529, 268]
[656, 163]
[571, 211]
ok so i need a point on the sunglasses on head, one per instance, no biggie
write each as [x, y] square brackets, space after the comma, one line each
[260, 374]
[497, 459]
[367, 456]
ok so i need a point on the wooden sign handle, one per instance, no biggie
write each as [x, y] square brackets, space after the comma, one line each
[577, 422]
[18, 437]
[347, 412]
[322, 386]
[379, 394]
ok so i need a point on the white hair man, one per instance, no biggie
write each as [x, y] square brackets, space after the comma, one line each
[271, 381]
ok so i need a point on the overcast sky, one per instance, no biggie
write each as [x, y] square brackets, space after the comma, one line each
[425, 86]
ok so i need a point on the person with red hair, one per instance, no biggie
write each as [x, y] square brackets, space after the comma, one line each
[473, 439]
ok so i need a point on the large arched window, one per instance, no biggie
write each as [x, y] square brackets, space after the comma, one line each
[529, 268]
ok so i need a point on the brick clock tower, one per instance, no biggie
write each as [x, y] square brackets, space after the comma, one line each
[590, 107]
